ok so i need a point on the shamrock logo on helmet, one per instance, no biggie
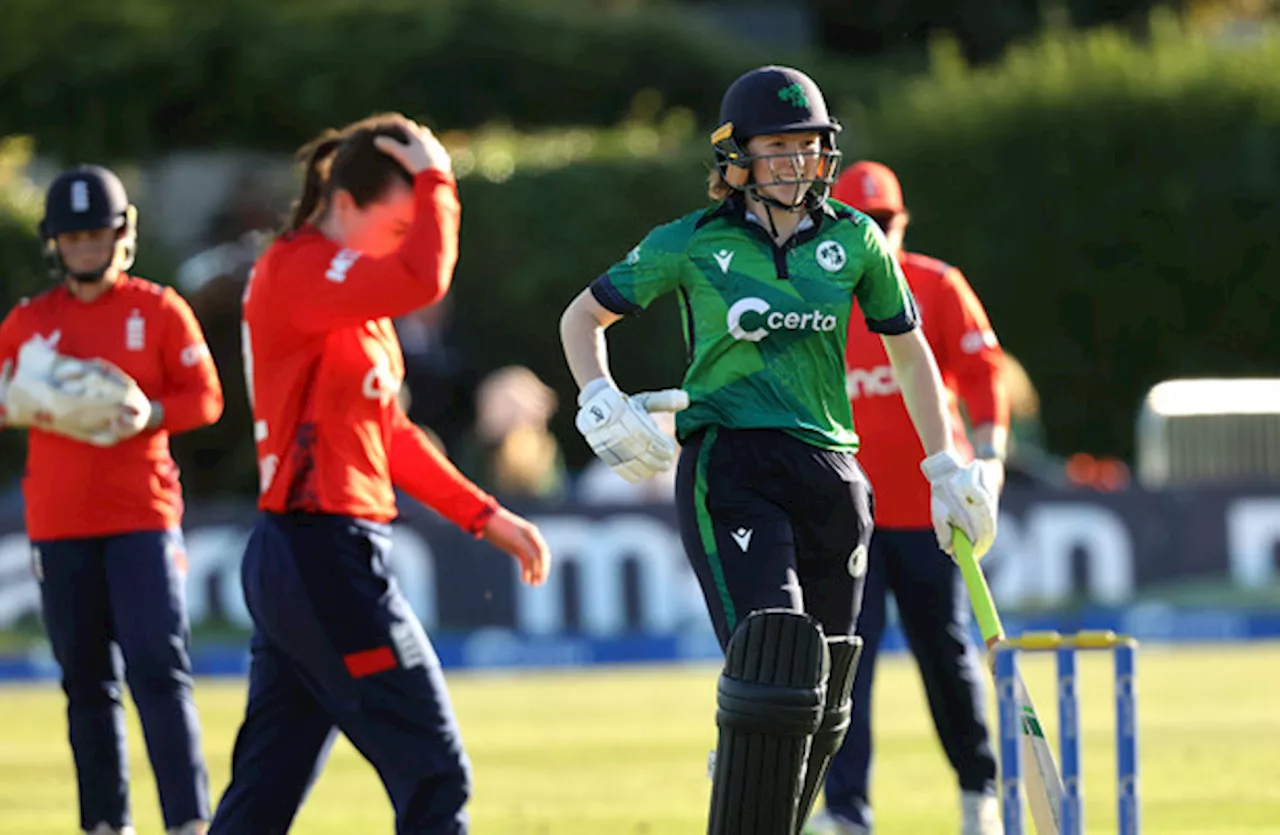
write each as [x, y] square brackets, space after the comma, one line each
[794, 95]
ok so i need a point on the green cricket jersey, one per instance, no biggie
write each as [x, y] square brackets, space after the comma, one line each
[765, 325]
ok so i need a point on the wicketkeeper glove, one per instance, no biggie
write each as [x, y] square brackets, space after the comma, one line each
[620, 431]
[87, 400]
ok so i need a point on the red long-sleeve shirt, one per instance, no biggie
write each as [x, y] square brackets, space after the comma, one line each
[74, 489]
[968, 354]
[325, 368]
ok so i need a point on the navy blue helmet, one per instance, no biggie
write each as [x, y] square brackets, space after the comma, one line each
[83, 198]
[769, 100]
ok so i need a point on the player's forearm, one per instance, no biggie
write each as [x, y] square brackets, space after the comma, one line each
[190, 410]
[423, 472]
[430, 250]
[986, 402]
[917, 374]
[979, 382]
[582, 335]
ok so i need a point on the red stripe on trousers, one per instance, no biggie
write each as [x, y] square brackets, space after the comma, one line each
[370, 661]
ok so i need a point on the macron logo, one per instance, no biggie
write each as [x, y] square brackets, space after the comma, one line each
[742, 536]
[724, 257]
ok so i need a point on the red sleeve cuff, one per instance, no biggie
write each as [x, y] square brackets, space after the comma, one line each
[481, 519]
[435, 175]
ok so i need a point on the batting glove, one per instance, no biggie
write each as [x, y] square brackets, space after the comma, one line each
[620, 431]
[961, 497]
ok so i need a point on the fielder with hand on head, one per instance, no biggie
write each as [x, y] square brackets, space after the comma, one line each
[933, 606]
[774, 511]
[101, 370]
[336, 646]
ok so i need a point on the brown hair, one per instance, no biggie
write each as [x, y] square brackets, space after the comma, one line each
[717, 188]
[347, 159]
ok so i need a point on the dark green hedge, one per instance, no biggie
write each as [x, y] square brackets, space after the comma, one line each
[134, 77]
[984, 28]
[1115, 205]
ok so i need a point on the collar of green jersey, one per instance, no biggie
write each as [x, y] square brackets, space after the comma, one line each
[734, 209]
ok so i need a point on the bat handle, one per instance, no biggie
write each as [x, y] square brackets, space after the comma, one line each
[984, 607]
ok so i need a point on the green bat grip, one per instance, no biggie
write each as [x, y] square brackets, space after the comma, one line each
[984, 608]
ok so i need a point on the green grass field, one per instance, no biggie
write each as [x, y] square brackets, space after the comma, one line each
[624, 751]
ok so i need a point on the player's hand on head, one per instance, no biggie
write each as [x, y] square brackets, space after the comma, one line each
[962, 497]
[422, 152]
[522, 540]
[620, 430]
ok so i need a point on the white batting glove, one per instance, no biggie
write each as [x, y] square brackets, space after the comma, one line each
[620, 431]
[962, 497]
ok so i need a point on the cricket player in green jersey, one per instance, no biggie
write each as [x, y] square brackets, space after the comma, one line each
[774, 511]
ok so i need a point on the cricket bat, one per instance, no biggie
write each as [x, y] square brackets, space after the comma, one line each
[1043, 780]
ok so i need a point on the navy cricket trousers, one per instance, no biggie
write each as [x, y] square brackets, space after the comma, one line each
[934, 611]
[336, 647]
[105, 598]
[769, 521]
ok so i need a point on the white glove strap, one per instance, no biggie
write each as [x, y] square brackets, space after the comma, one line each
[940, 465]
[593, 388]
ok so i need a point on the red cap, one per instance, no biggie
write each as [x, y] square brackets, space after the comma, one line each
[869, 187]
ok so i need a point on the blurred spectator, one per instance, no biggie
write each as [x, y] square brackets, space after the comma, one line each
[1029, 462]
[510, 451]
[236, 234]
[598, 484]
[436, 372]
[221, 459]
